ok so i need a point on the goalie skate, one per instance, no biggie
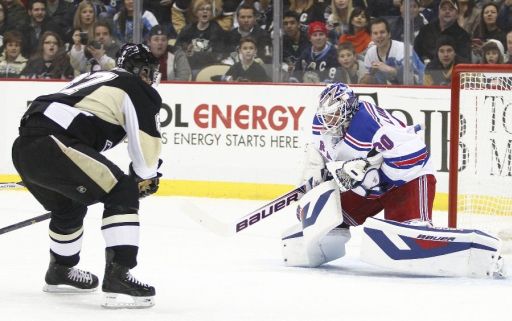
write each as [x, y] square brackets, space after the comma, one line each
[64, 279]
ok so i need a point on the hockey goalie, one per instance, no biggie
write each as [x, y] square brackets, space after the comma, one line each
[362, 161]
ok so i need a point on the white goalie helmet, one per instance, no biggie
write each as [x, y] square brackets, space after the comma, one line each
[338, 104]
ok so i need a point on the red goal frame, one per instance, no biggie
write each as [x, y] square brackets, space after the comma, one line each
[454, 129]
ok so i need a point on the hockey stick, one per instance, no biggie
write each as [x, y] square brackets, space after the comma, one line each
[241, 224]
[21, 224]
[8, 185]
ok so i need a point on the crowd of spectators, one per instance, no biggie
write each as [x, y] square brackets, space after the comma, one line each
[354, 41]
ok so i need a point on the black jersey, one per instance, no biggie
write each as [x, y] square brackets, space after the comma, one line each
[102, 108]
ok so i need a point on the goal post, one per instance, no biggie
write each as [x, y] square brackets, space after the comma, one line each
[480, 176]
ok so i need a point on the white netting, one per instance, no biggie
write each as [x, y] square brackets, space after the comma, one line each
[485, 151]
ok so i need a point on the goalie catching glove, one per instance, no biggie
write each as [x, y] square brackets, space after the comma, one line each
[147, 186]
[360, 175]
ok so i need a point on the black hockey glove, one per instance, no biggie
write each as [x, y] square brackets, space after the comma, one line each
[146, 186]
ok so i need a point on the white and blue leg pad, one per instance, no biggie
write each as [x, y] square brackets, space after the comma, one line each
[428, 250]
[315, 240]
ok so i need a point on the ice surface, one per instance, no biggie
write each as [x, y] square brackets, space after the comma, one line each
[200, 276]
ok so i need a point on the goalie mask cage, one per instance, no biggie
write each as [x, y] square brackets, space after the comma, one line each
[480, 191]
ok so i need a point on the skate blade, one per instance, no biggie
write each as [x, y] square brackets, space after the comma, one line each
[123, 301]
[65, 289]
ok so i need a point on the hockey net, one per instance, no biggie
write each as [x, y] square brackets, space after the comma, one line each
[480, 191]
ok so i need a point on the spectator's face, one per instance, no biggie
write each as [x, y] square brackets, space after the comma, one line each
[318, 40]
[341, 4]
[492, 56]
[158, 45]
[246, 19]
[247, 51]
[346, 58]
[415, 9]
[12, 50]
[446, 55]
[359, 21]
[204, 13]
[380, 36]
[509, 43]
[38, 12]
[50, 47]
[87, 15]
[447, 14]
[102, 35]
[128, 4]
[490, 14]
[290, 26]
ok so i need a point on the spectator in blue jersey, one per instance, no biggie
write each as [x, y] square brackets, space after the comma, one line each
[384, 60]
[123, 22]
[319, 61]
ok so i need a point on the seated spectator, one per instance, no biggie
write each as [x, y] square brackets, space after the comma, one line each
[488, 28]
[383, 8]
[308, 11]
[493, 52]
[397, 25]
[50, 60]
[61, 12]
[248, 68]
[83, 21]
[337, 16]
[351, 69]
[15, 13]
[204, 40]
[358, 33]
[4, 23]
[509, 47]
[246, 16]
[11, 61]
[173, 60]
[445, 24]
[318, 62]
[384, 60]
[439, 70]
[505, 15]
[38, 24]
[182, 13]
[469, 15]
[96, 54]
[295, 41]
[123, 22]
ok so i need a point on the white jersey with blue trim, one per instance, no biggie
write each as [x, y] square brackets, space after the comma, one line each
[404, 151]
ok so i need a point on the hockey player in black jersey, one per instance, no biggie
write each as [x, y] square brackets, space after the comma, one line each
[58, 156]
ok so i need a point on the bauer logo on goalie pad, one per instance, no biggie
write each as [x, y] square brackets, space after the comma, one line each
[419, 246]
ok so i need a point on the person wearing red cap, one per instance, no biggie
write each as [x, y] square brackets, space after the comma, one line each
[318, 62]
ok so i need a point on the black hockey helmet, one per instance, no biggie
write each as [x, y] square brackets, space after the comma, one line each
[137, 58]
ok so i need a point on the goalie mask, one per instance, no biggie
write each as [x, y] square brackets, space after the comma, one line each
[138, 60]
[337, 106]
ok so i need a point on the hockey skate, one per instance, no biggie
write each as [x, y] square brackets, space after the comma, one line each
[64, 279]
[122, 290]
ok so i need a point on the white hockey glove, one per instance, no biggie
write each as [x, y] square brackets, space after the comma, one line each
[351, 174]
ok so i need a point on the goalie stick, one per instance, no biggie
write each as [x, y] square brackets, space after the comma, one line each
[28, 222]
[241, 224]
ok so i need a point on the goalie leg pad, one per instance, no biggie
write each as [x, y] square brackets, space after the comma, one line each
[316, 240]
[433, 251]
